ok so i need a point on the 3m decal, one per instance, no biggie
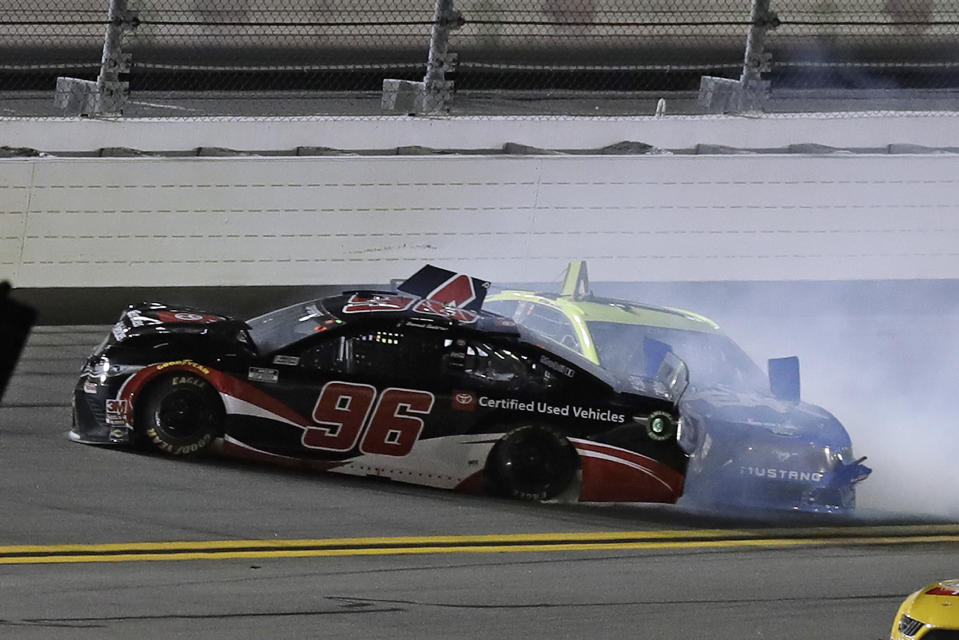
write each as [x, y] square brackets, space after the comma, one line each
[360, 303]
[347, 413]
[117, 412]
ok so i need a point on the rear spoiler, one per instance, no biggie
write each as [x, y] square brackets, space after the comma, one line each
[447, 287]
[576, 281]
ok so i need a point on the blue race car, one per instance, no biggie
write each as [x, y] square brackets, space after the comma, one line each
[753, 442]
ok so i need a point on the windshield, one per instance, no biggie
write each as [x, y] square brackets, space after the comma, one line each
[639, 350]
[277, 329]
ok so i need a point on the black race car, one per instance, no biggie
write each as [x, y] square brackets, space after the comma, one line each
[417, 385]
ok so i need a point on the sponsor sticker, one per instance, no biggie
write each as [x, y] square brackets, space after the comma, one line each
[464, 401]
[566, 410]
[186, 316]
[558, 367]
[291, 361]
[361, 303]
[138, 320]
[90, 387]
[260, 374]
[659, 426]
[116, 412]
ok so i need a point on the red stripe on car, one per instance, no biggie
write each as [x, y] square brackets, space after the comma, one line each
[612, 474]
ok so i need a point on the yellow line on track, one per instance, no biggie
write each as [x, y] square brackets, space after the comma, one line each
[511, 543]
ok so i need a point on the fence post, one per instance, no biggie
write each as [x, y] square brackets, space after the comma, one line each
[757, 61]
[434, 94]
[111, 90]
[106, 96]
[750, 92]
[438, 91]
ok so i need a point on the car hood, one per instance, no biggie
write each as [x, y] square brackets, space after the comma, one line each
[157, 318]
[757, 410]
[936, 604]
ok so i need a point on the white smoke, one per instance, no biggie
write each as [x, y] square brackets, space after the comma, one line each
[882, 357]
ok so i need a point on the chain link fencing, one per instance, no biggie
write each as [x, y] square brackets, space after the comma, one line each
[550, 57]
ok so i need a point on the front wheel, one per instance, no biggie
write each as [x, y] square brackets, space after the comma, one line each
[180, 414]
[531, 462]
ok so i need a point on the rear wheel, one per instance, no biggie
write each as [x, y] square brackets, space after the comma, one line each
[531, 462]
[180, 414]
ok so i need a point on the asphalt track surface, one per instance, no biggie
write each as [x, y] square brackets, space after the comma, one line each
[106, 543]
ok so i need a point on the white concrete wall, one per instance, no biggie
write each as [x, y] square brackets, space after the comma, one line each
[312, 220]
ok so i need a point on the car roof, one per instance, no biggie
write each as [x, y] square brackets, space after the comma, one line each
[485, 321]
[347, 309]
[597, 309]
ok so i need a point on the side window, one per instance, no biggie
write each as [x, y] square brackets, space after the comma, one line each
[503, 307]
[547, 372]
[492, 365]
[553, 324]
[377, 353]
[500, 366]
[331, 355]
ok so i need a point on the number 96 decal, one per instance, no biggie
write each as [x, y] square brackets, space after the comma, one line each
[348, 413]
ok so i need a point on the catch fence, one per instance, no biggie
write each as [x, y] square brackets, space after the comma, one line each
[550, 57]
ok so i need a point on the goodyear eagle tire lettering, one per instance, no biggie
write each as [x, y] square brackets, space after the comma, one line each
[180, 414]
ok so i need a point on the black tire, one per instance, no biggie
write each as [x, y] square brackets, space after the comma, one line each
[531, 462]
[180, 414]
